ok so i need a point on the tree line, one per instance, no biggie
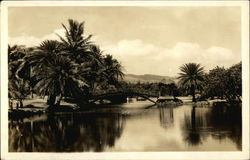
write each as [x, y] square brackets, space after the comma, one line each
[220, 82]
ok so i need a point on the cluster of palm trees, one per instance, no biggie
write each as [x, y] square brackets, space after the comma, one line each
[72, 67]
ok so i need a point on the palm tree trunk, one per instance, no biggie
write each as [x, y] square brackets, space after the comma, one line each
[21, 103]
[17, 105]
[193, 99]
[51, 100]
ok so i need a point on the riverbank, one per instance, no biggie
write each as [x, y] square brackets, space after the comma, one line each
[39, 106]
[33, 107]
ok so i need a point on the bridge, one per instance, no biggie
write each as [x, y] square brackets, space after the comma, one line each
[122, 96]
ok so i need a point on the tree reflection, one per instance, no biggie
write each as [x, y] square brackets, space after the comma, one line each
[228, 122]
[66, 133]
[218, 122]
[192, 134]
[166, 116]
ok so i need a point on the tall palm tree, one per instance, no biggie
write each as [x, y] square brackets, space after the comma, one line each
[76, 45]
[191, 77]
[82, 51]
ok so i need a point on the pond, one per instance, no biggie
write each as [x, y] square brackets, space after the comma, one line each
[129, 127]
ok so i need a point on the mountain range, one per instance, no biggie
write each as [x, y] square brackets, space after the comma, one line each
[132, 78]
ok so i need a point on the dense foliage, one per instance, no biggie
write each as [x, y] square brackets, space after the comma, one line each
[72, 67]
[18, 88]
[224, 83]
[217, 83]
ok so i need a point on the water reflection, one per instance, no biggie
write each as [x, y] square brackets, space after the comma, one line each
[165, 128]
[166, 116]
[66, 133]
[191, 128]
[218, 122]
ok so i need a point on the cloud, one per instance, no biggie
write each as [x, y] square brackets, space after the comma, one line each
[128, 48]
[139, 57]
[31, 41]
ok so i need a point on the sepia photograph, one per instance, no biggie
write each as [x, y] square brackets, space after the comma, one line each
[134, 80]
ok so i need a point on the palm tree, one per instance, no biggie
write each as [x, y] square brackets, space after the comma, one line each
[113, 70]
[54, 74]
[61, 77]
[36, 59]
[82, 51]
[95, 76]
[76, 45]
[191, 77]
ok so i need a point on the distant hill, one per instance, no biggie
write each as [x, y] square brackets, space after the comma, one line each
[148, 78]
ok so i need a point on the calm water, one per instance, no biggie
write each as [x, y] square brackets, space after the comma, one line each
[130, 128]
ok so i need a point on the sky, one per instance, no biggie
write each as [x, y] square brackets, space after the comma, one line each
[146, 40]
